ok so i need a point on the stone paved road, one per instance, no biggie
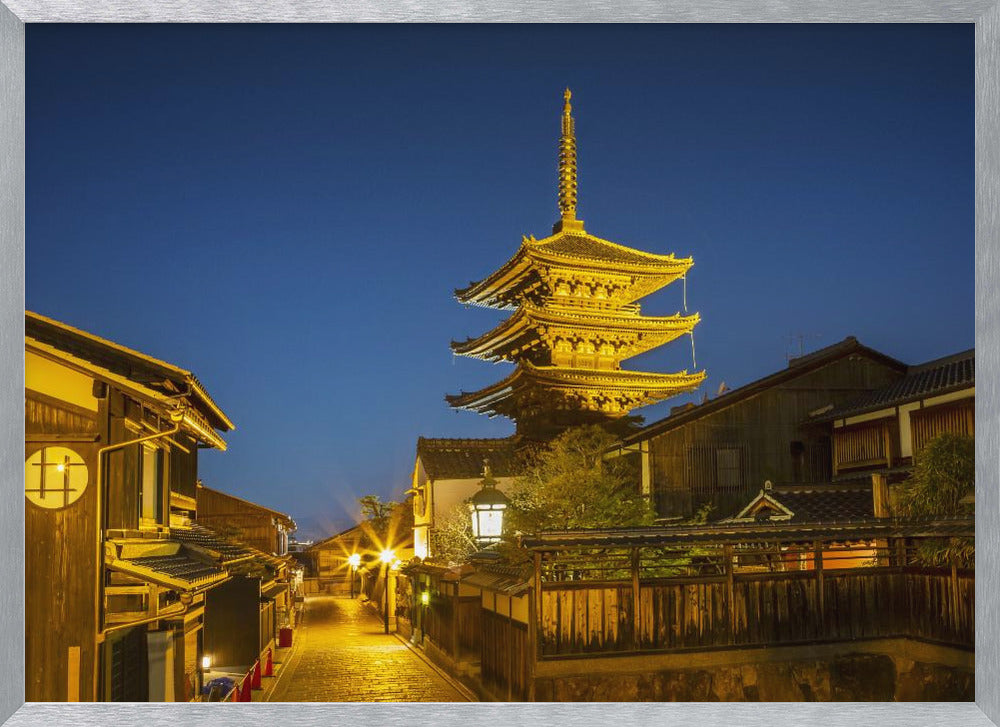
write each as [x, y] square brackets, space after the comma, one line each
[344, 656]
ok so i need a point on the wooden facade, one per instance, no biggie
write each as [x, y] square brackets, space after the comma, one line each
[723, 450]
[110, 435]
[884, 430]
[253, 524]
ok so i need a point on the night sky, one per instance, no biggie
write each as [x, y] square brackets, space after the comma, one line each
[286, 210]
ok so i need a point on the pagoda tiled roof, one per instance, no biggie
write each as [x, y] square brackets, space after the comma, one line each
[588, 247]
[654, 330]
[571, 250]
[939, 376]
[641, 386]
[459, 459]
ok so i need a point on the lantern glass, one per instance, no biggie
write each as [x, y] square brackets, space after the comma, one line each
[487, 522]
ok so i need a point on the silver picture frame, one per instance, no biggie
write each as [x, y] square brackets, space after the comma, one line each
[985, 14]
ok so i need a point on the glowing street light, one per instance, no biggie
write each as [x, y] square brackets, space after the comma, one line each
[354, 560]
[387, 557]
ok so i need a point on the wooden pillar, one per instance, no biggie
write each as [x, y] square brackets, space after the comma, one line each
[880, 495]
[820, 595]
[636, 619]
[727, 553]
[454, 621]
[534, 614]
[834, 440]
[954, 595]
[887, 443]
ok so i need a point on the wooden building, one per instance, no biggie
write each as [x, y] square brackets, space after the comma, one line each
[115, 602]
[243, 615]
[877, 434]
[723, 450]
[447, 472]
[258, 526]
[328, 560]
[576, 320]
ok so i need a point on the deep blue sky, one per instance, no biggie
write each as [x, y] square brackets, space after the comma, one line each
[286, 210]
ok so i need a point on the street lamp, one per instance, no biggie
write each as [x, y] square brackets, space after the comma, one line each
[487, 508]
[387, 557]
[354, 561]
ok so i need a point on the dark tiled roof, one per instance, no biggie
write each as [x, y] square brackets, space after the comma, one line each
[827, 505]
[796, 367]
[717, 534]
[202, 537]
[459, 459]
[124, 361]
[180, 567]
[935, 377]
[594, 248]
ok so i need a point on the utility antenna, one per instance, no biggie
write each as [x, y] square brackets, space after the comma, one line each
[799, 338]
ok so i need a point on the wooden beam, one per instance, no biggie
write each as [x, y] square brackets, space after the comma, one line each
[636, 619]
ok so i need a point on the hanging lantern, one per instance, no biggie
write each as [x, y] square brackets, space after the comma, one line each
[487, 508]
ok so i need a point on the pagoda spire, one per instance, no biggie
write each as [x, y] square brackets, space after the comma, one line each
[567, 170]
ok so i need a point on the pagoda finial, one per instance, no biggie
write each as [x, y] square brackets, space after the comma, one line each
[567, 170]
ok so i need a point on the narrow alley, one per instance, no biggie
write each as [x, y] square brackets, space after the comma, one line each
[342, 655]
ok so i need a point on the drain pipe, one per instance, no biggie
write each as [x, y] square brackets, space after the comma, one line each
[176, 416]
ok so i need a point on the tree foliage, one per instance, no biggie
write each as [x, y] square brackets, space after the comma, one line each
[451, 538]
[386, 523]
[570, 485]
[944, 472]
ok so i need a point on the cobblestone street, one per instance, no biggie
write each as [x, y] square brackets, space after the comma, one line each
[344, 656]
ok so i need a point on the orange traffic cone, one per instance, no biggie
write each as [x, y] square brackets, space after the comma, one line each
[245, 689]
[268, 665]
[256, 674]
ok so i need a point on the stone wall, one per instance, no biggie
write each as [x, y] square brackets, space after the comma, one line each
[885, 677]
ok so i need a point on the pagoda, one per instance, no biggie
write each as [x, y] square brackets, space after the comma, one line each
[575, 320]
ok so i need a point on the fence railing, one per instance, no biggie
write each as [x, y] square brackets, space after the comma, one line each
[757, 609]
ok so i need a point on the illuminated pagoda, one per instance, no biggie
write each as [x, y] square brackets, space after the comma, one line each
[575, 321]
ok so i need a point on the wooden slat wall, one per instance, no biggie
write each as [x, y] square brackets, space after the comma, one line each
[958, 418]
[575, 620]
[60, 549]
[505, 657]
[765, 424]
[218, 510]
[860, 445]
[468, 622]
[767, 609]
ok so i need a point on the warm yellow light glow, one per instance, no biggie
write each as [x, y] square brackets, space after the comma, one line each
[354, 560]
[425, 597]
[387, 556]
[60, 467]
[396, 564]
[206, 662]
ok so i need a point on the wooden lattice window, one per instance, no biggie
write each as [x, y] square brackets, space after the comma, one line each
[862, 445]
[954, 417]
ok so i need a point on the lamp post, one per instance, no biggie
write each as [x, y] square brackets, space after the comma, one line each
[354, 561]
[387, 557]
[487, 508]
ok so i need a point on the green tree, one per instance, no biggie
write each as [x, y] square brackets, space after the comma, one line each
[944, 472]
[570, 485]
[385, 523]
[451, 538]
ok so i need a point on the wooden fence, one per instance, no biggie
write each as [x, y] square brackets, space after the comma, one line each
[757, 609]
[506, 657]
